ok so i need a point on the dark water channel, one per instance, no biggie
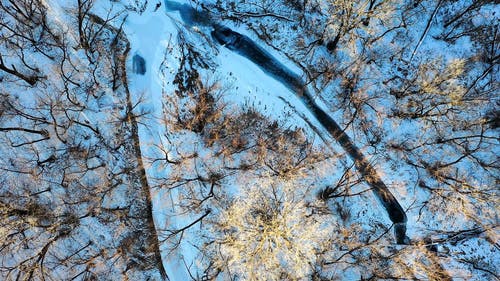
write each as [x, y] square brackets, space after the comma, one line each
[247, 48]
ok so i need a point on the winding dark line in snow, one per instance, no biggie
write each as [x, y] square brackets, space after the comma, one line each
[244, 46]
[145, 191]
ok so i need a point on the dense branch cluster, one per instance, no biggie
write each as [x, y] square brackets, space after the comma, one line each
[71, 201]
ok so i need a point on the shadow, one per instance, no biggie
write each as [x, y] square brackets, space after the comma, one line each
[244, 46]
[138, 64]
[189, 15]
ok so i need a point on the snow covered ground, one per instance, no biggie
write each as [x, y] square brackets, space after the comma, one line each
[153, 34]
[250, 86]
[159, 32]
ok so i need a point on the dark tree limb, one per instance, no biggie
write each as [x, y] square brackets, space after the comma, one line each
[30, 79]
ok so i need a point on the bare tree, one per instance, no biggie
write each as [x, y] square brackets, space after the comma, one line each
[430, 117]
[74, 201]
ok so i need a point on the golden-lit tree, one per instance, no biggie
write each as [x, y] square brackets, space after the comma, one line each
[416, 85]
[271, 232]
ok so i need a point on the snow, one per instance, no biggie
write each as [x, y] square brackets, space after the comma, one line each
[153, 35]
[149, 35]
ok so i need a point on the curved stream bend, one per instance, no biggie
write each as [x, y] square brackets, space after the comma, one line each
[244, 46]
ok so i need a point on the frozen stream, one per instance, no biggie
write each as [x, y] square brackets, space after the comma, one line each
[244, 46]
[247, 48]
